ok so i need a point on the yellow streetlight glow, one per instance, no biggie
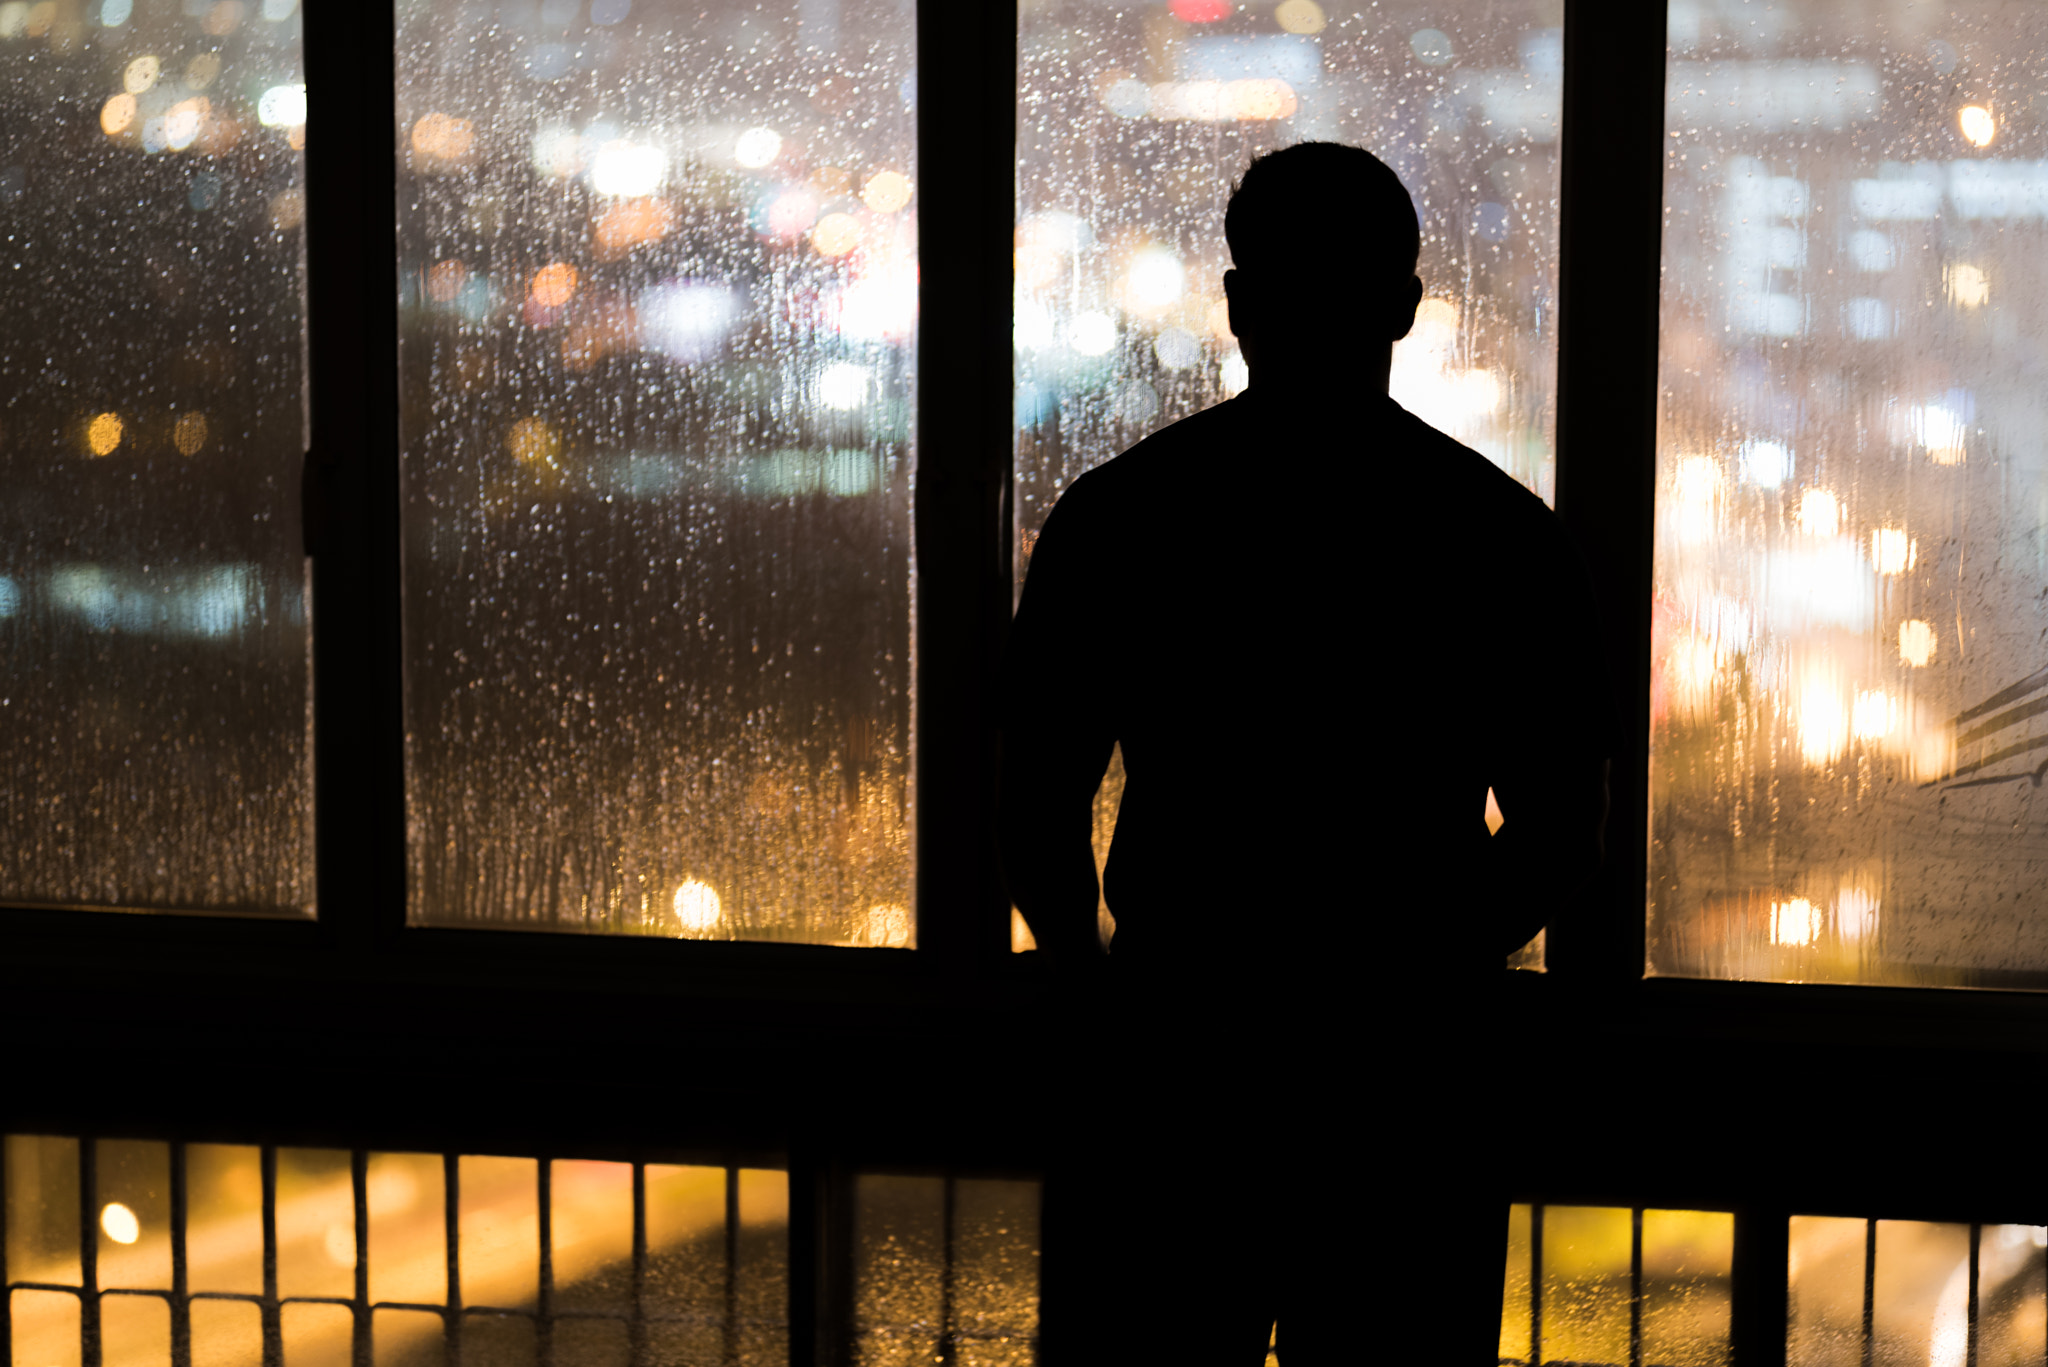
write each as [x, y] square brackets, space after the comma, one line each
[120, 1223]
[116, 114]
[698, 909]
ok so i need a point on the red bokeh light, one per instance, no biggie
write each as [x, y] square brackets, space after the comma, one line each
[1201, 11]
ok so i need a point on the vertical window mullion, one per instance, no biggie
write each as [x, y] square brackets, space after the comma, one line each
[1611, 211]
[352, 470]
[966, 140]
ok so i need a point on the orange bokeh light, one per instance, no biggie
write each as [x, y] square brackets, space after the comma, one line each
[553, 285]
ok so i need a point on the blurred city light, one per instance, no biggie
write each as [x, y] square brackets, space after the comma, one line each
[120, 1223]
[627, 169]
[687, 320]
[283, 106]
[886, 192]
[835, 234]
[844, 386]
[757, 147]
[1916, 642]
[1820, 513]
[1092, 334]
[103, 433]
[140, 74]
[1300, 16]
[553, 285]
[698, 909]
[1977, 124]
[1795, 922]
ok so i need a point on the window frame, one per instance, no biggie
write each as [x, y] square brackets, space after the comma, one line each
[357, 1029]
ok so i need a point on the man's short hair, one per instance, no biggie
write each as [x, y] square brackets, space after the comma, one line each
[1305, 203]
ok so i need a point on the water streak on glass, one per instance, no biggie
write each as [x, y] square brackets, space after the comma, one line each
[945, 1268]
[1687, 1290]
[1585, 1279]
[1134, 124]
[2012, 1295]
[1851, 604]
[659, 283]
[1825, 1258]
[154, 642]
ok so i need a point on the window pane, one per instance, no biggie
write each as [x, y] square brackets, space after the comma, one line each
[154, 681]
[658, 269]
[1851, 502]
[1135, 123]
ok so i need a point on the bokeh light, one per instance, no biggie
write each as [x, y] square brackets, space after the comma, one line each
[1092, 334]
[886, 192]
[120, 1223]
[1968, 286]
[836, 234]
[1201, 11]
[631, 223]
[117, 114]
[1820, 513]
[628, 169]
[757, 147]
[188, 434]
[1893, 551]
[103, 433]
[445, 280]
[201, 70]
[1916, 642]
[698, 909]
[1977, 124]
[1795, 921]
[553, 285]
[1300, 16]
[284, 106]
[141, 74]
[844, 385]
[441, 136]
[534, 442]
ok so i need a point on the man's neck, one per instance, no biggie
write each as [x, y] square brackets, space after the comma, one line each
[1349, 377]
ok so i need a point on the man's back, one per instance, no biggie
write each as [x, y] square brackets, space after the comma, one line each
[1319, 634]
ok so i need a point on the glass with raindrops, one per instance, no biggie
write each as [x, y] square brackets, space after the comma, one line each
[154, 677]
[658, 284]
[1851, 604]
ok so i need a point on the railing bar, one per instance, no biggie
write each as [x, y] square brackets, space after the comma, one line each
[732, 1265]
[636, 1331]
[181, 1286]
[544, 1324]
[1869, 1290]
[359, 1186]
[451, 1200]
[88, 1253]
[1970, 1314]
[1635, 1288]
[272, 1314]
[948, 1206]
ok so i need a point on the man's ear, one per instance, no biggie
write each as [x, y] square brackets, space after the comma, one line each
[1401, 314]
[1237, 298]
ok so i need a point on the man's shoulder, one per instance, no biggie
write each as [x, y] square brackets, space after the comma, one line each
[1215, 432]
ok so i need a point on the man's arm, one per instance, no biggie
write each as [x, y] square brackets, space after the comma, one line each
[1057, 739]
[1551, 776]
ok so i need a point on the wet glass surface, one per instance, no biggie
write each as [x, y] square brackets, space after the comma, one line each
[154, 681]
[1852, 532]
[659, 283]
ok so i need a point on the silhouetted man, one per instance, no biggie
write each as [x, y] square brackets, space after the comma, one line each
[1321, 630]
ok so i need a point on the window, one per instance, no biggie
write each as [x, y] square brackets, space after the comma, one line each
[380, 768]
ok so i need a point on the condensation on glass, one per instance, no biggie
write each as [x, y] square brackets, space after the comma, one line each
[1582, 1280]
[636, 1263]
[659, 283]
[154, 677]
[1851, 608]
[1135, 123]
[945, 1269]
[1898, 1291]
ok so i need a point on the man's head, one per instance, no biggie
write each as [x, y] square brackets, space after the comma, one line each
[1324, 242]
